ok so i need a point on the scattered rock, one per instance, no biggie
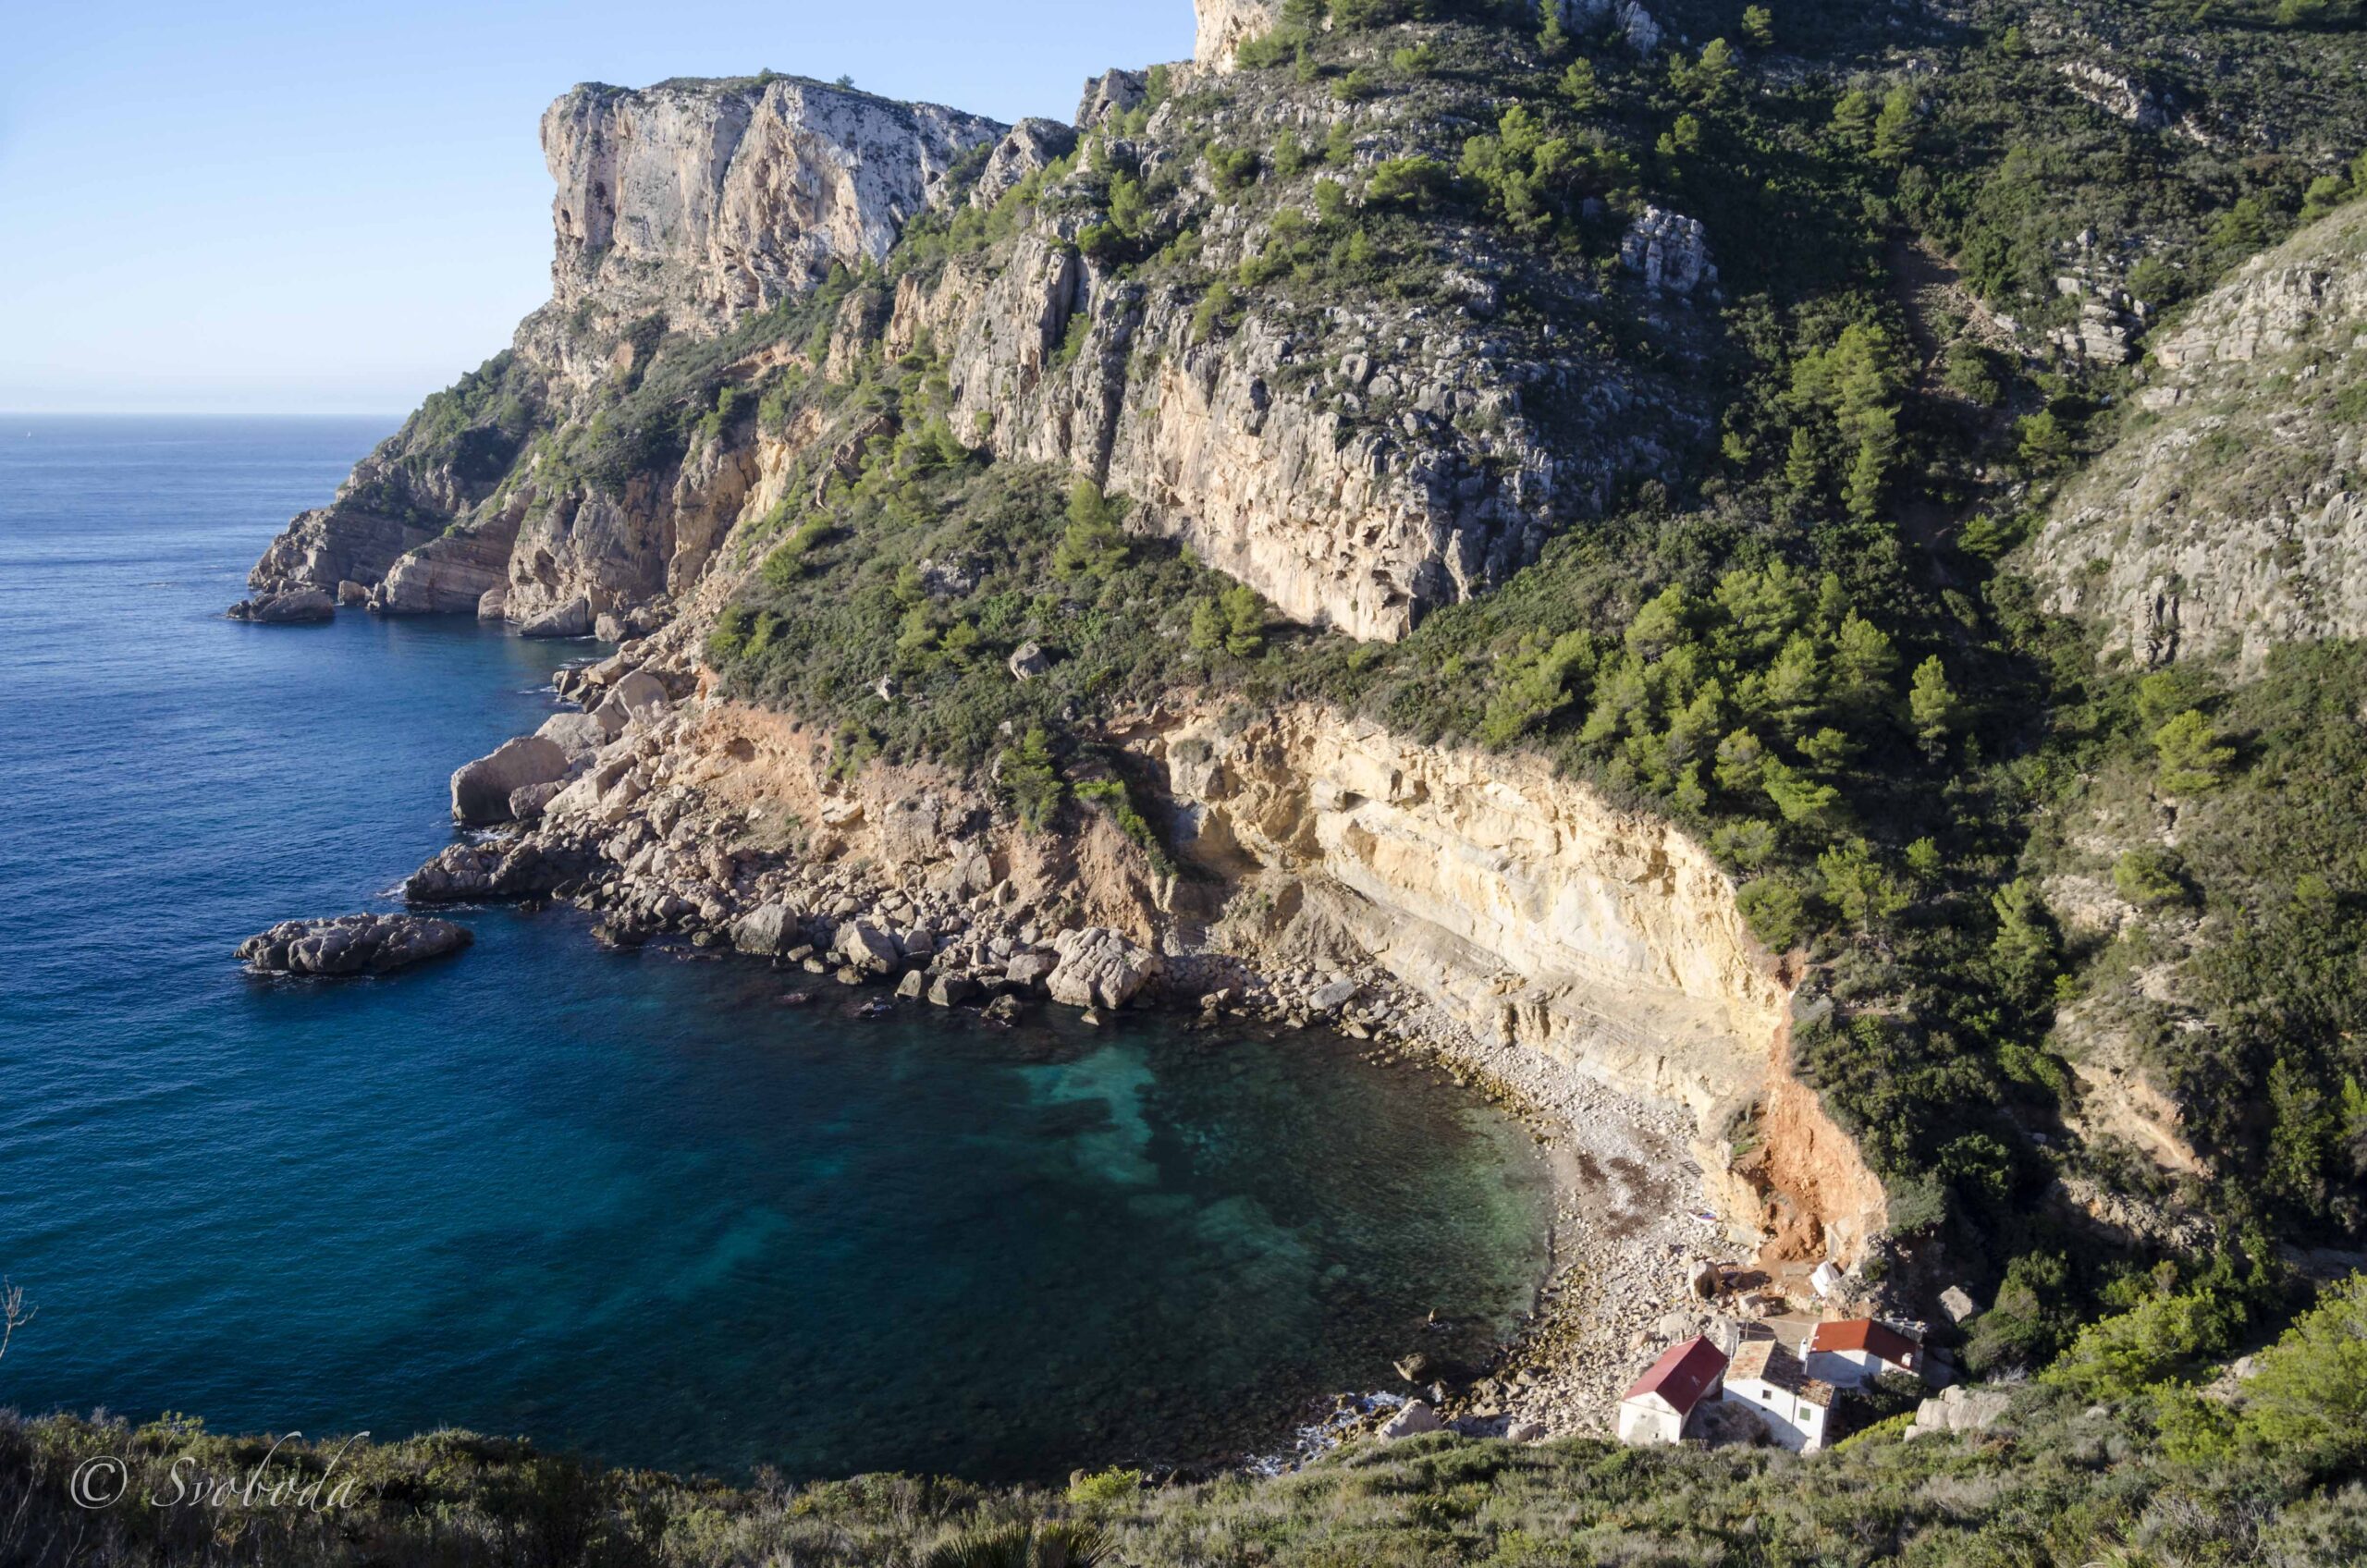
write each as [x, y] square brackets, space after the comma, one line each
[637, 698]
[352, 944]
[1337, 995]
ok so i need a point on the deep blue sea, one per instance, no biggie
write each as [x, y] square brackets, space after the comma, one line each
[623, 1204]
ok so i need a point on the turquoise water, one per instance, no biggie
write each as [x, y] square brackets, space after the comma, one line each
[621, 1203]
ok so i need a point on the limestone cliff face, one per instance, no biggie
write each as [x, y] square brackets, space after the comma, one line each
[1224, 23]
[692, 201]
[1537, 913]
[2231, 517]
[1358, 473]
[706, 200]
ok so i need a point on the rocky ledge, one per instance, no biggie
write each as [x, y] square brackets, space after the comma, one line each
[352, 944]
[287, 608]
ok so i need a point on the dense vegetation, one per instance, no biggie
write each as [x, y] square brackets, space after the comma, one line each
[2113, 1461]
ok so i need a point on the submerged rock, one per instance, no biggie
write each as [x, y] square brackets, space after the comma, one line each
[352, 944]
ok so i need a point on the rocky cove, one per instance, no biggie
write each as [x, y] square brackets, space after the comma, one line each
[1584, 968]
[1288, 864]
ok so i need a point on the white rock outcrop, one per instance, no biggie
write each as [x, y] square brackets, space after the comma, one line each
[714, 198]
[1668, 251]
[2234, 520]
[1224, 23]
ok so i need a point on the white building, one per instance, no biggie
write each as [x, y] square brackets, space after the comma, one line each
[1664, 1405]
[1796, 1409]
[1852, 1353]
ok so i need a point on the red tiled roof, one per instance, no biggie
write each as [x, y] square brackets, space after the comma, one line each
[1682, 1374]
[1860, 1333]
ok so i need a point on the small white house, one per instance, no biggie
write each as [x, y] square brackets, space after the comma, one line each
[1853, 1353]
[1796, 1409]
[1664, 1404]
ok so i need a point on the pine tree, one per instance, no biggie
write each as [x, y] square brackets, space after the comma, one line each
[1553, 38]
[1895, 128]
[1092, 547]
[1759, 27]
[1853, 121]
[1931, 705]
[2193, 760]
[1244, 622]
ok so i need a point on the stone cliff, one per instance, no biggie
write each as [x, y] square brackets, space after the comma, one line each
[2230, 515]
[1358, 456]
[1538, 915]
[704, 201]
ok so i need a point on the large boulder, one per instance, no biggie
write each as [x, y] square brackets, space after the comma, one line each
[1029, 970]
[866, 947]
[1413, 1418]
[572, 619]
[480, 791]
[352, 944]
[1100, 968]
[1960, 1409]
[292, 607]
[577, 734]
[773, 929]
[639, 696]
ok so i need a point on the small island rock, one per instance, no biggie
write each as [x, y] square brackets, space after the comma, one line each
[352, 944]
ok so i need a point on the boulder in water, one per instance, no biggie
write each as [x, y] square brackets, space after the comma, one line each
[572, 619]
[289, 608]
[352, 944]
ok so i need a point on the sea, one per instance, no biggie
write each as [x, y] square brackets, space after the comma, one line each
[627, 1205]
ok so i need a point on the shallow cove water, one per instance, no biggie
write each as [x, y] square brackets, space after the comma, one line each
[621, 1203]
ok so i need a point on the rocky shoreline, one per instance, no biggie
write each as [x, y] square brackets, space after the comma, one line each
[617, 808]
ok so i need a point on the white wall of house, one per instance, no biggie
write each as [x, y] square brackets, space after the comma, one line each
[1649, 1418]
[1845, 1369]
[1791, 1421]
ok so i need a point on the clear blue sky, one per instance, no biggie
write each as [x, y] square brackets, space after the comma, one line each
[336, 207]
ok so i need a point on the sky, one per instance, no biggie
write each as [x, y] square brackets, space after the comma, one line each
[337, 208]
